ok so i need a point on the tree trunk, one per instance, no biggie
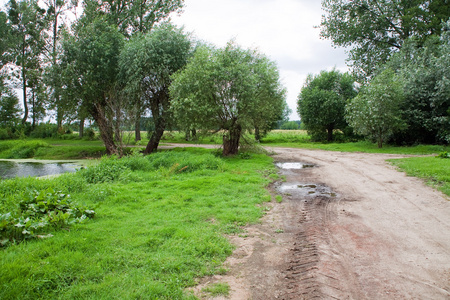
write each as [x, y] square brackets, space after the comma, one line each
[24, 83]
[137, 127]
[81, 128]
[106, 130]
[330, 134]
[157, 134]
[59, 113]
[231, 141]
[33, 109]
[380, 141]
[257, 134]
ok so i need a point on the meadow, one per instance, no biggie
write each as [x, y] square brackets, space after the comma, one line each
[160, 223]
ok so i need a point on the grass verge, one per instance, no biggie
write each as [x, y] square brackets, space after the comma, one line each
[435, 171]
[160, 223]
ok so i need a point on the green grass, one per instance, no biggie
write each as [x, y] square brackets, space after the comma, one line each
[436, 171]
[217, 289]
[158, 227]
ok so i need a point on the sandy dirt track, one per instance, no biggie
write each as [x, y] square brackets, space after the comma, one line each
[350, 227]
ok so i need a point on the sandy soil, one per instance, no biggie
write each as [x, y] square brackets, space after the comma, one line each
[350, 227]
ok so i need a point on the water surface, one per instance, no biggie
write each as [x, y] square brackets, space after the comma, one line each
[11, 169]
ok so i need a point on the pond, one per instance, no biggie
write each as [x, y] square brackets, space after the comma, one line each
[11, 169]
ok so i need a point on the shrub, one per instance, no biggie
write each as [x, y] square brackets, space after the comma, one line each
[42, 211]
[6, 133]
[443, 155]
[45, 130]
[21, 149]
[89, 134]
[185, 161]
[108, 170]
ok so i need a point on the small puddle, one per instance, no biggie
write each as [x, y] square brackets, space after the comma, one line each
[293, 165]
[306, 189]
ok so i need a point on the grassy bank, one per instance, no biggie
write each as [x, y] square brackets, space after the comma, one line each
[435, 171]
[160, 223]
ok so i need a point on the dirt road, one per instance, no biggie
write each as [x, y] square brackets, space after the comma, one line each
[350, 227]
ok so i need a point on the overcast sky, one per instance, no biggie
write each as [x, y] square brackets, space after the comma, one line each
[281, 29]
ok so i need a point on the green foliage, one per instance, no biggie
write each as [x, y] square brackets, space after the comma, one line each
[231, 89]
[44, 130]
[40, 212]
[9, 107]
[286, 136]
[376, 29]
[423, 71]
[20, 148]
[444, 154]
[89, 72]
[321, 103]
[290, 125]
[376, 111]
[146, 64]
[108, 170]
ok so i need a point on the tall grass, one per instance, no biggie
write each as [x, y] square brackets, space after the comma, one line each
[157, 228]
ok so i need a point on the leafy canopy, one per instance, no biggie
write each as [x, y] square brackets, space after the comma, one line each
[374, 29]
[227, 89]
[375, 111]
[322, 100]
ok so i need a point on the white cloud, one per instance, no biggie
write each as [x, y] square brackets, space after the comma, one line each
[281, 29]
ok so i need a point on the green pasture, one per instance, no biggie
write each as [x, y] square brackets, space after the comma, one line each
[160, 223]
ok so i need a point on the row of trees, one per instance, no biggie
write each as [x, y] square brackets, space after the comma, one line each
[400, 57]
[120, 61]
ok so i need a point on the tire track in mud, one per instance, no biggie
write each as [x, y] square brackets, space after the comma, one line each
[310, 272]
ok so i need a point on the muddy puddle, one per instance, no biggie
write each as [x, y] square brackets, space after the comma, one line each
[305, 189]
[293, 165]
[302, 189]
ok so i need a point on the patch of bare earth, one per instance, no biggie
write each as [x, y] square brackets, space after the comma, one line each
[350, 227]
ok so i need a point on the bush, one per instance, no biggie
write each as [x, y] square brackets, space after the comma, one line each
[42, 211]
[443, 155]
[89, 134]
[108, 170]
[6, 133]
[44, 130]
[21, 149]
[290, 125]
[181, 161]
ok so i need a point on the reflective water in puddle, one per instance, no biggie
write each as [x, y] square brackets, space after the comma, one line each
[293, 165]
[306, 189]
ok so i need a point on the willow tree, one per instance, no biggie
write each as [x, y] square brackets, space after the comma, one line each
[146, 64]
[91, 58]
[133, 17]
[227, 89]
